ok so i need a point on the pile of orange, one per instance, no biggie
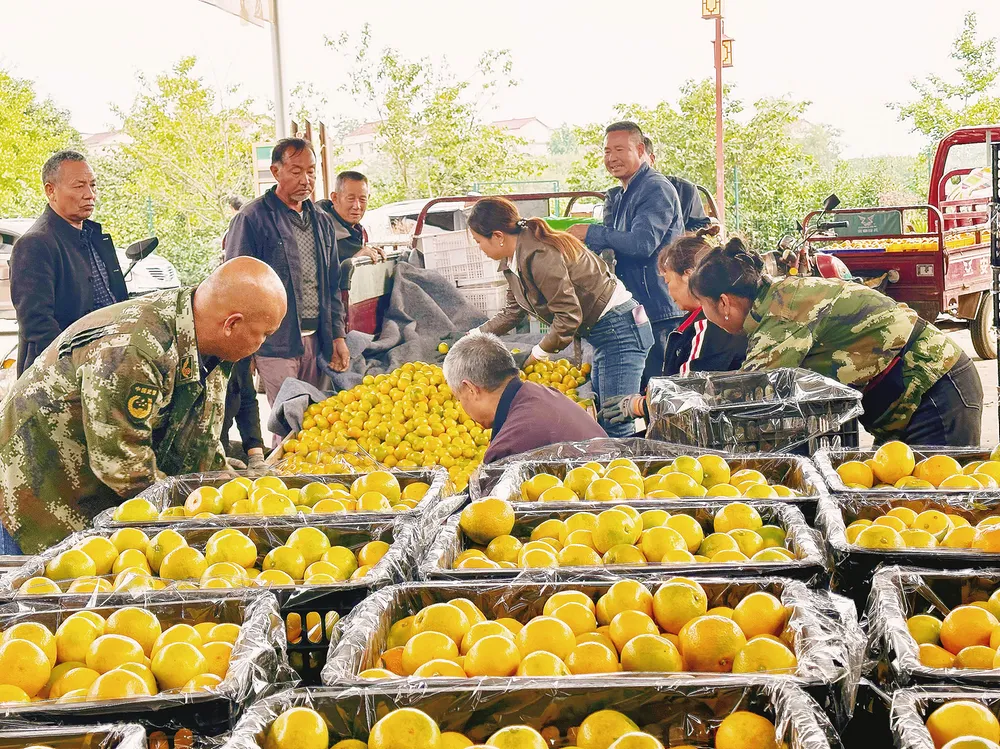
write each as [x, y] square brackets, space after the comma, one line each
[904, 528]
[129, 654]
[626, 629]
[130, 560]
[687, 476]
[408, 419]
[560, 374]
[378, 491]
[963, 724]
[304, 728]
[968, 637]
[619, 535]
[894, 466]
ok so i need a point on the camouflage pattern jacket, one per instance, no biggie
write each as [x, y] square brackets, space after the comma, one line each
[116, 403]
[850, 333]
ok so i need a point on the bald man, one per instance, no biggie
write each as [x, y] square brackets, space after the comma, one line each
[126, 396]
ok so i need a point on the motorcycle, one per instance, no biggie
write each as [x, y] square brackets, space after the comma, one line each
[796, 255]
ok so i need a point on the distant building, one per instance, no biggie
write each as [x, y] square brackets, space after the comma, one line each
[99, 144]
[359, 144]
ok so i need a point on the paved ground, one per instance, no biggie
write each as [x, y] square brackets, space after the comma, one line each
[987, 373]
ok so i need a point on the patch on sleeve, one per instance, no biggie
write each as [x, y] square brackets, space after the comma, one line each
[186, 368]
[140, 402]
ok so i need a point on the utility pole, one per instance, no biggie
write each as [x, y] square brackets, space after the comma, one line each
[280, 113]
[723, 47]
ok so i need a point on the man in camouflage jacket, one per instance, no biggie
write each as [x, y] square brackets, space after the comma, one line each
[125, 397]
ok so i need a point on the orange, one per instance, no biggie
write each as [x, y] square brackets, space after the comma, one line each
[925, 628]
[36, 633]
[764, 655]
[745, 730]
[629, 624]
[677, 603]
[615, 527]
[650, 652]
[566, 596]
[183, 563]
[936, 469]
[69, 565]
[855, 472]
[404, 727]
[74, 638]
[117, 684]
[102, 551]
[760, 613]
[24, 665]
[893, 461]
[987, 539]
[108, 652]
[234, 546]
[533, 488]
[217, 655]
[162, 544]
[601, 729]
[503, 549]
[542, 663]
[965, 626]
[204, 499]
[976, 656]
[962, 718]
[444, 618]
[546, 633]
[689, 528]
[604, 490]
[427, 646]
[177, 633]
[578, 616]
[592, 658]
[175, 664]
[657, 541]
[437, 667]
[879, 537]
[933, 656]
[493, 655]
[76, 678]
[624, 595]
[578, 479]
[517, 737]
[711, 643]
[481, 630]
[372, 552]
[298, 728]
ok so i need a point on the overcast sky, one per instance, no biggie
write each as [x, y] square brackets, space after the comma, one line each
[574, 60]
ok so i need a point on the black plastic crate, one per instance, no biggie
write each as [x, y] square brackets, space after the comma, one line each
[781, 410]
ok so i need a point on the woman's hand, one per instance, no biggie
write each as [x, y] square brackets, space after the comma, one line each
[622, 409]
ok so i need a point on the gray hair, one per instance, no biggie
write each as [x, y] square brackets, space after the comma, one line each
[343, 177]
[51, 169]
[482, 359]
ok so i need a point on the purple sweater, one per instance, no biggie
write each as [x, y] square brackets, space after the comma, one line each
[530, 415]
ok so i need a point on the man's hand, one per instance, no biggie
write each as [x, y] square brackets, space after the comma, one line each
[255, 459]
[372, 253]
[579, 231]
[623, 409]
[341, 358]
[235, 464]
[522, 358]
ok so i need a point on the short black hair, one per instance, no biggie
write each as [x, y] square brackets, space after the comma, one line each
[350, 175]
[295, 145]
[626, 126]
[235, 202]
[648, 143]
[51, 168]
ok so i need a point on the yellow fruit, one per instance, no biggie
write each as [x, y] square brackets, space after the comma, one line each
[542, 663]
[745, 730]
[760, 614]
[117, 684]
[914, 539]
[217, 655]
[657, 541]
[10, 694]
[965, 626]
[286, 559]
[749, 542]
[681, 484]
[764, 655]
[629, 624]
[614, 527]
[960, 481]
[36, 633]
[879, 537]
[176, 663]
[517, 737]
[438, 668]
[566, 596]
[487, 518]
[962, 718]
[737, 515]
[102, 551]
[601, 729]
[403, 728]
[494, 655]
[481, 630]
[933, 656]
[578, 555]
[533, 488]
[689, 528]
[444, 618]
[70, 564]
[76, 678]
[135, 510]
[74, 638]
[855, 472]
[162, 544]
[204, 499]
[578, 479]
[624, 595]
[108, 652]
[677, 603]
[298, 728]
[427, 646]
[24, 665]
[924, 629]
[183, 563]
[976, 656]
[893, 461]
[546, 633]
[936, 469]
[651, 652]
[592, 658]
[987, 539]
[959, 538]
[711, 643]
[716, 470]
[604, 490]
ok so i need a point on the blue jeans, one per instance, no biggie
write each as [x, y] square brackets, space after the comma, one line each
[8, 546]
[620, 347]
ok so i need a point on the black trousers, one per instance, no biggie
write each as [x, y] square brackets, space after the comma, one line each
[951, 412]
[654, 359]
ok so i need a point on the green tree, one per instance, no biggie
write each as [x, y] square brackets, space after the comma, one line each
[563, 141]
[188, 149]
[431, 133]
[942, 105]
[31, 130]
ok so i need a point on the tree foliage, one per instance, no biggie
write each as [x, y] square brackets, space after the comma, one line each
[188, 149]
[31, 130]
[563, 140]
[430, 132]
[942, 105]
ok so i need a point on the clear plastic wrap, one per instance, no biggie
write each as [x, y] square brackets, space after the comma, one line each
[110, 736]
[678, 710]
[912, 706]
[310, 611]
[258, 663]
[779, 410]
[901, 592]
[827, 461]
[869, 724]
[172, 492]
[854, 565]
[829, 643]
[793, 471]
[811, 563]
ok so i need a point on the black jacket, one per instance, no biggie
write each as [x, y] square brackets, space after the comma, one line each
[263, 229]
[50, 281]
[691, 206]
[698, 345]
[241, 407]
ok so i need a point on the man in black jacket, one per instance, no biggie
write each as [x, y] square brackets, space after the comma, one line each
[284, 229]
[64, 266]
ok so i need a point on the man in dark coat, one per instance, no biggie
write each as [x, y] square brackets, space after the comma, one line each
[482, 374]
[64, 266]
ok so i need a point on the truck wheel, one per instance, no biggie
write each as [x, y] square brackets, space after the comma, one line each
[984, 334]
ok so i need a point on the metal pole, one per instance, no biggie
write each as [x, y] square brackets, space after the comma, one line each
[720, 167]
[279, 82]
[736, 197]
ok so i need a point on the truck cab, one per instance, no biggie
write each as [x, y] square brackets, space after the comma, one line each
[934, 257]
